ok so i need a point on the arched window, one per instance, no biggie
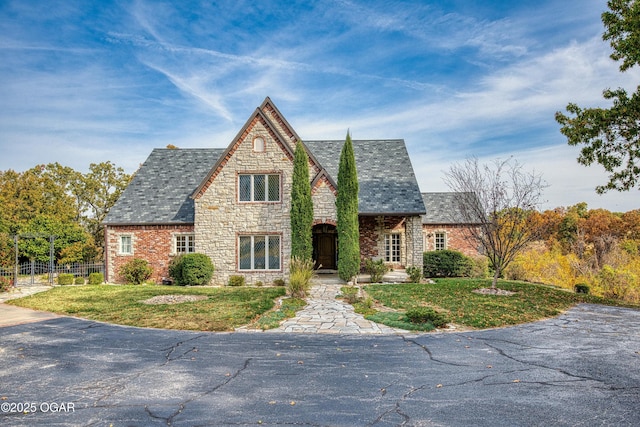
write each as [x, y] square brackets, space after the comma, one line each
[258, 144]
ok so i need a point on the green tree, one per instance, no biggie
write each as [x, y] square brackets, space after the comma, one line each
[301, 206]
[611, 136]
[34, 241]
[347, 213]
[63, 199]
[96, 193]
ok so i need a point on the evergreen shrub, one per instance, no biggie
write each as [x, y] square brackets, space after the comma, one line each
[136, 271]
[446, 263]
[415, 273]
[236, 281]
[65, 279]
[191, 269]
[376, 269]
[427, 315]
[96, 278]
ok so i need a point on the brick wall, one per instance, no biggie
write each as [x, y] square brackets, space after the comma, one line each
[153, 243]
[455, 238]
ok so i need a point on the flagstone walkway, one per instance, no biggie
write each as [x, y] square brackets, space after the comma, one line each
[325, 314]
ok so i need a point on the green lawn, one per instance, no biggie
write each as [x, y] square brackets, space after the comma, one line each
[222, 310]
[454, 296]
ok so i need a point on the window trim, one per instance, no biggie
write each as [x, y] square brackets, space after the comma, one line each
[189, 237]
[267, 237]
[262, 148]
[444, 240]
[252, 176]
[391, 254]
[121, 247]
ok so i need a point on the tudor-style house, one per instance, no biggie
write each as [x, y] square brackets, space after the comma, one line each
[233, 204]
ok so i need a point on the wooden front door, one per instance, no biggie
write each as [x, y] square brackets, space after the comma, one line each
[324, 246]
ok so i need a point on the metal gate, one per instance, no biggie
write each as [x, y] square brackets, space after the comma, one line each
[36, 273]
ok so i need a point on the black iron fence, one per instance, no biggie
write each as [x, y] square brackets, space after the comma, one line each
[43, 273]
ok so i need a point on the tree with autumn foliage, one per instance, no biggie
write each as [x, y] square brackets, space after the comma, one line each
[502, 197]
[592, 247]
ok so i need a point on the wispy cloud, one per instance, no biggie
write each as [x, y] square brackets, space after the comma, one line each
[93, 80]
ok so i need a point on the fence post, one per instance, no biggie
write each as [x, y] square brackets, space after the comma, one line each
[51, 253]
[15, 270]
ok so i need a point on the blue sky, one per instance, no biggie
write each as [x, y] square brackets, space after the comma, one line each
[88, 81]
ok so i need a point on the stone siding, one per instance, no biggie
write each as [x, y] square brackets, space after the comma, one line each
[221, 218]
[415, 241]
[372, 238]
[324, 204]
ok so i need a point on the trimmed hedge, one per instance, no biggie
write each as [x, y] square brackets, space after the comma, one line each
[446, 263]
[96, 278]
[65, 279]
[191, 269]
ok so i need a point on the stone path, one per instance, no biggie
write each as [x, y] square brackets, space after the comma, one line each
[325, 314]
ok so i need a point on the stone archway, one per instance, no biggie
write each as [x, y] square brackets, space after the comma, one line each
[325, 246]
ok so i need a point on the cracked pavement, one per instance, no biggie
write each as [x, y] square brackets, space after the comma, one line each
[580, 368]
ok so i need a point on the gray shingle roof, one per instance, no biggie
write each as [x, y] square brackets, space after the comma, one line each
[160, 191]
[387, 183]
[443, 208]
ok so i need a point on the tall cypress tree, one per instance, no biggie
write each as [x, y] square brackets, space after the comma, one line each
[301, 206]
[347, 212]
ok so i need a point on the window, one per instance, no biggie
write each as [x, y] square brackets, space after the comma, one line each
[258, 145]
[259, 188]
[440, 241]
[184, 243]
[259, 252]
[126, 245]
[392, 247]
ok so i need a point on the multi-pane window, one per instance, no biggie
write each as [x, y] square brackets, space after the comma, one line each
[184, 243]
[440, 241]
[259, 252]
[392, 247]
[259, 188]
[126, 245]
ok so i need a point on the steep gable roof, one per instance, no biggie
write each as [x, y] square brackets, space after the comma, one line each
[159, 192]
[258, 116]
[444, 208]
[387, 183]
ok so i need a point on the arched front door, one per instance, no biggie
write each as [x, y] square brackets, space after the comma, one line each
[325, 246]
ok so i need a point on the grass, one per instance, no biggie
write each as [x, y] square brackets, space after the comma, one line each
[530, 303]
[222, 310]
[288, 309]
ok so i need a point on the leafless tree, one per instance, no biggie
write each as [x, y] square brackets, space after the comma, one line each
[501, 197]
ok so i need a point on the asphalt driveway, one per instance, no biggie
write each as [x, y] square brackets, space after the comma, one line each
[581, 368]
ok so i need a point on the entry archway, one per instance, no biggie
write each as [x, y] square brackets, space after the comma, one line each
[325, 246]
